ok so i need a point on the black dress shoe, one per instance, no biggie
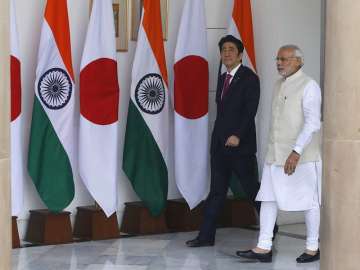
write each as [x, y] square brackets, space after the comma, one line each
[306, 258]
[199, 243]
[249, 254]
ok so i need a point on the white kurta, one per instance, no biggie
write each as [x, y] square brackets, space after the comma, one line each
[301, 190]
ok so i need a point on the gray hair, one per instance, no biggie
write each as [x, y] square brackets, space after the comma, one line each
[298, 52]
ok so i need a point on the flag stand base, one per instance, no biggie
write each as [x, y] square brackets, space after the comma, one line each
[91, 223]
[180, 218]
[137, 220]
[15, 233]
[49, 228]
[237, 213]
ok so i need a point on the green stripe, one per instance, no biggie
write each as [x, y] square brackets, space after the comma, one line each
[48, 163]
[144, 164]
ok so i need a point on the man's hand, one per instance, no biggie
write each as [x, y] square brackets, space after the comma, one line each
[291, 163]
[232, 141]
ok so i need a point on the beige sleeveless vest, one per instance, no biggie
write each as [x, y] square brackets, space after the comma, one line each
[288, 120]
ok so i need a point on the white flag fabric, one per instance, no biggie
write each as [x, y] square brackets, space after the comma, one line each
[99, 103]
[17, 157]
[191, 88]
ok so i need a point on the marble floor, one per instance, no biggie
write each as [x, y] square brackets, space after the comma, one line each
[166, 251]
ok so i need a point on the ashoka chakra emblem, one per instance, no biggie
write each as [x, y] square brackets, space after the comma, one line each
[55, 88]
[150, 93]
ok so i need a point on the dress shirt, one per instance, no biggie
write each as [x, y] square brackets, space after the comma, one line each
[233, 72]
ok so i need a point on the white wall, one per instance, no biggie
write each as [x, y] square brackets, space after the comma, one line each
[276, 22]
[294, 22]
[291, 21]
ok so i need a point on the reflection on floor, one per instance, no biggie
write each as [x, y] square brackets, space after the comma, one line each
[166, 251]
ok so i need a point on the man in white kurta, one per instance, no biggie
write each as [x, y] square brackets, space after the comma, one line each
[291, 179]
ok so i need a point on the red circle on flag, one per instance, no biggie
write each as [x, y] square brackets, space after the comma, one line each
[99, 92]
[15, 84]
[191, 87]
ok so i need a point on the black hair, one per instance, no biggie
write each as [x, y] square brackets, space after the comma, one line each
[232, 39]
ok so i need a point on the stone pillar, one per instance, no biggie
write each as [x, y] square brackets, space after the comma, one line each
[340, 224]
[5, 215]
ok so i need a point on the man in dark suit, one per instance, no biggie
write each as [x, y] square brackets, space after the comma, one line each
[233, 142]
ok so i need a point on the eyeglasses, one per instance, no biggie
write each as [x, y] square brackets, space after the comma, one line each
[285, 59]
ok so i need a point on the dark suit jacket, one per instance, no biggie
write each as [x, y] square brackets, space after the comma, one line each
[236, 113]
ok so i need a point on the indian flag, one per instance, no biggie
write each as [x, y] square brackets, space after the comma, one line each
[51, 159]
[145, 158]
[191, 92]
[99, 106]
[240, 26]
[17, 162]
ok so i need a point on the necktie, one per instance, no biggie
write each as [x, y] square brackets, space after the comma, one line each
[226, 85]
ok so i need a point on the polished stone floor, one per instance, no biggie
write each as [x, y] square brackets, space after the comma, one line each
[166, 251]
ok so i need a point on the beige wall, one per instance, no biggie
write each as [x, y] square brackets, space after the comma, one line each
[5, 216]
[340, 224]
